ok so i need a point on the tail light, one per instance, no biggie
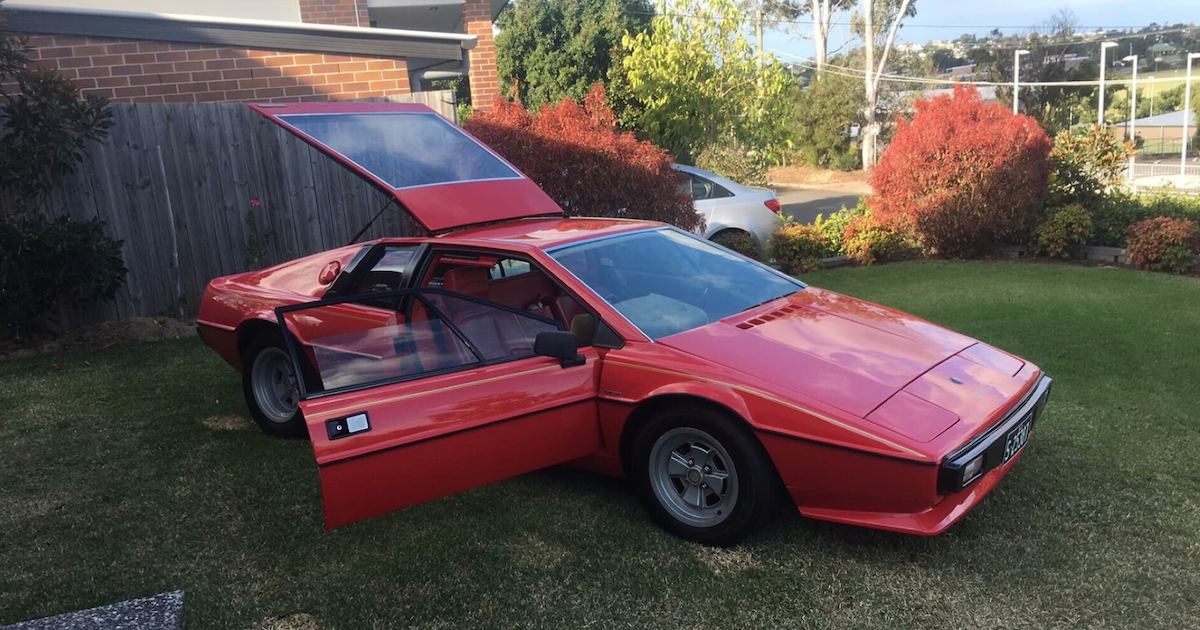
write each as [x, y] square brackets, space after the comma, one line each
[773, 205]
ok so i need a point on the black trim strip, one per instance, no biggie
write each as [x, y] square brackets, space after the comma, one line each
[453, 433]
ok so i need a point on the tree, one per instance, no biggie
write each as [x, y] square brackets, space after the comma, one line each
[548, 50]
[46, 262]
[45, 125]
[877, 15]
[694, 81]
[964, 175]
[825, 113]
[821, 12]
[585, 163]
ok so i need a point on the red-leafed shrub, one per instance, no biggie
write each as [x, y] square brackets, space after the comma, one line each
[1163, 244]
[799, 248]
[964, 174]
[868, 240]
[590, 168]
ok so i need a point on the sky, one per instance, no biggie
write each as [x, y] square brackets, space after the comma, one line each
[947, 19]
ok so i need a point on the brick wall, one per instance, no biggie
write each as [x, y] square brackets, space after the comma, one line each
[155, 72]
[485, 86]
[338, 12]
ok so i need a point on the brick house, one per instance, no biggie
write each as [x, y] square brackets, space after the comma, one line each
[263, 50]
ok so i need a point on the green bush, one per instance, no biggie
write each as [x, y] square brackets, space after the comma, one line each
[798, 248]
[835, 225]
[868, 240]
[1062, 230]
[1164, 244]
[44, 263]
[1087, 164]
[733, 162]
[1118, 209]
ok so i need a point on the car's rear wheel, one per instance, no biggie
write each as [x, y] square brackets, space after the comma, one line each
[739, 241]
[271, 389]
[703, 476]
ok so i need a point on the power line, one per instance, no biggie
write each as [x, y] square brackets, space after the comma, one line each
[855, 73]
[919, 25]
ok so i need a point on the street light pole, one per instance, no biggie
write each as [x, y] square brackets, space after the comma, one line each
[1133, 116]
[1100, 110]
[1187, 107]
[1017, 75]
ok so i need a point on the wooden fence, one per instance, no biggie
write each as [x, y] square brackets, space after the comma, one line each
[200, 190]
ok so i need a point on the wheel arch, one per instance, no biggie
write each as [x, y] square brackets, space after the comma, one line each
[252, 328]
[733, 409]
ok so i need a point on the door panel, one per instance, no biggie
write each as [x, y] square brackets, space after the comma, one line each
[433, 437]
[416, 407]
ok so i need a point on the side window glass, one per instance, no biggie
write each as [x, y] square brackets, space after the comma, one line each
[685, 183]
[406, 345]
[509, 267]
[719, 191]
[388, 273]
[497, 333]
[701, 188]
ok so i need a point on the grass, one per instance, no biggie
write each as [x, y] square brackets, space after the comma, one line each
[133, 471]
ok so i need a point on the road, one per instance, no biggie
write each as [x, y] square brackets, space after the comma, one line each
[804, 204]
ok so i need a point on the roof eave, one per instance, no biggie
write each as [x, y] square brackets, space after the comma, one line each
[259, 34]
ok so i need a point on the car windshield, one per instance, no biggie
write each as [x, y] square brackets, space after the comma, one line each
[666, 281]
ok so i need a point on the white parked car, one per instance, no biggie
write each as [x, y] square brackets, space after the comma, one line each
[732, 211]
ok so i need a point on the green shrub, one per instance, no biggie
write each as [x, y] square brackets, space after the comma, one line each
[1163, 244]
[1062, 230]
[835, 225]
[733, 162]
[44, 263]
[798, 248]
[868, 240]
[1118, 209]
[1087, 164]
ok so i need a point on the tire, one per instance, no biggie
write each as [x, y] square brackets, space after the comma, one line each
[679, 458]
[264, 361]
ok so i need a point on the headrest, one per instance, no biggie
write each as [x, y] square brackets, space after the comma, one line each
[467, 280]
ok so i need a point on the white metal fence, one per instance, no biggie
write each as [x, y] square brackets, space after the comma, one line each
[1142, 176]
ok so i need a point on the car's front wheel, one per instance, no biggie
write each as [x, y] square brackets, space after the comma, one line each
[269, 384]
[703, 476]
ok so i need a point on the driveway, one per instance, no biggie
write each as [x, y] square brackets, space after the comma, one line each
[804, 204]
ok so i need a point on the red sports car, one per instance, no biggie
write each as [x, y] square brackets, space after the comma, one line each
[515, 339]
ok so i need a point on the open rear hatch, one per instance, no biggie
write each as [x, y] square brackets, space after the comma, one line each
[444, 177]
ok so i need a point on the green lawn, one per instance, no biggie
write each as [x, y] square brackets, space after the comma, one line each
[132, 471]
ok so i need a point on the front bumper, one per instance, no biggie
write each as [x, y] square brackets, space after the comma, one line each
[990, 444]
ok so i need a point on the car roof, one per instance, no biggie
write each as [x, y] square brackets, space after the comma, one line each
[543, 233]
[724, 181]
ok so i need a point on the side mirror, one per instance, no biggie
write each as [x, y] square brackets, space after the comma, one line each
[330, 273]
[559, 344]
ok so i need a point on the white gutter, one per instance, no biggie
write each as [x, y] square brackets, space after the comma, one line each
[466, 41]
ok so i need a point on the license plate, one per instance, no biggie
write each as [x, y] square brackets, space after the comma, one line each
[1017, 438]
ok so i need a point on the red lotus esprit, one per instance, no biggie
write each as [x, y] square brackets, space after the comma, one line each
[515, 339]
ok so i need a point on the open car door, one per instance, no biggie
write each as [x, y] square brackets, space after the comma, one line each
[444, 396]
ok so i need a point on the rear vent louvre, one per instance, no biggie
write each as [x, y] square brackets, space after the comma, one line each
[766, 317]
